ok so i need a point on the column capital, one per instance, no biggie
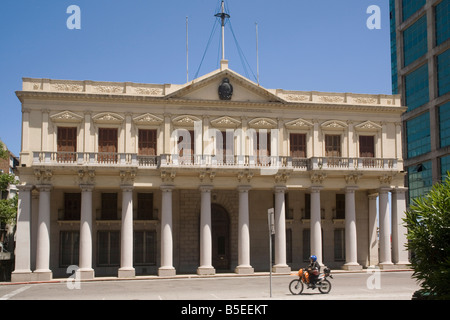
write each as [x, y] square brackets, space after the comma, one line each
[86, 187]
[399, 190]
[383, 190]
[127, 187]
[281, 189]
[315, 189]
[206, 188]
[244, 188]
[25, 187]
[350, 189]
[44, 187]
[167, 188]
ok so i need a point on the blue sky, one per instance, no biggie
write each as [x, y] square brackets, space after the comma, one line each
[321, 45]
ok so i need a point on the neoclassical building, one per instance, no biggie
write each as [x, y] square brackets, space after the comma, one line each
[129, 179]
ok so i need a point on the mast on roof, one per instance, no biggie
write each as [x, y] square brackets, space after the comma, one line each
[223, 15]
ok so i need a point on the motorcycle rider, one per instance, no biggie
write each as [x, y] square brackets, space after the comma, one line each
[313, 270]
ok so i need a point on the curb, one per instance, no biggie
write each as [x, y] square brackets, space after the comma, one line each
[191, 276]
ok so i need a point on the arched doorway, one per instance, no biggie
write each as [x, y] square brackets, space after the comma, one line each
[220, 238]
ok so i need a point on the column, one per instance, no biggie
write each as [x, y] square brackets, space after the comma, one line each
[244, 266]
[351, 260]
[399, 231]
[126, 269]
[86, 271]
[166, 268]
[316, 225]
[205, 233]
[22, 270]
[280, 231]
[43, 271]
[373, 233]
[385, 234]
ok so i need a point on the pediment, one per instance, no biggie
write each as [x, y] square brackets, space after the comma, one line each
[263, 123]
[108, 117]
[368, 126]
[207, 88]
[225, 122]
[185, 121]
[66, 116]
[334, 125]
[148, 119]
[299, 124]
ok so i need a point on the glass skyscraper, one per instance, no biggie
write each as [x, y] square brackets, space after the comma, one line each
[420, 60]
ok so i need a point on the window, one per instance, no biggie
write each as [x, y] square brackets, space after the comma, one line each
[66, 144]
[340, 206]
[109, 206]
[339, 244]
[332, 145]
[263, 147]
[72, 206]
[419, 179]
[186, 148]
[145, 206]
[107, 145]
[224, 147]
[416, 85]
[289, 245]
[306, 244]
[415, 41]
[418, 135]
[69, 245]
[444, 125]
[367, 150]
[145, 247]
[108, 248]
[443, 72]
[445, 167]
[298, 145]
[147, 142]
[442, 22]
[307, 214]
[410, 7]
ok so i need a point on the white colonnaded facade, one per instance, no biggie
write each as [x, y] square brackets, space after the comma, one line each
[131, 179]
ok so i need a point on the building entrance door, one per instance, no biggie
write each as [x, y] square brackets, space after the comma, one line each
[220, 238]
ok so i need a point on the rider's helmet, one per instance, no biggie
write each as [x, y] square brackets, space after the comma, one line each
[313, 258]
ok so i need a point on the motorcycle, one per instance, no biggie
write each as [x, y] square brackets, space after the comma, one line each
[323, 284]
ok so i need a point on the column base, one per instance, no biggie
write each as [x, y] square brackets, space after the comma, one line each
[167, 272]
[85, 274]
[386, 266]
[352, 266]
[244, 270]
[42, 275]
[281, 269]
[204, 271]
[21, 276]
[126, 273]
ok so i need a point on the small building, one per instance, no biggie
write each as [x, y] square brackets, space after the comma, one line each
[131, 179]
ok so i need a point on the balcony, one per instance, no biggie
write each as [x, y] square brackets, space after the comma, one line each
[101, 159]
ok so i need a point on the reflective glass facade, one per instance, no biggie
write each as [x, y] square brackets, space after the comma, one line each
[443, 72]
[442, 21]
[393, 48]
[416, 85]
[415, 41]
[418, 135]
[445, 166]
[410, 7]
[444, 125]
[420, 179]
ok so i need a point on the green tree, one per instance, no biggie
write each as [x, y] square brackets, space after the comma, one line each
[8, 207]
[428, 223]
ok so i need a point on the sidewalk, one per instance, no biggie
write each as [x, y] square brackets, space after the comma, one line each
[188, 276]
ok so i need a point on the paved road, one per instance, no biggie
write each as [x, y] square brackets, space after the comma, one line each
[345, 286]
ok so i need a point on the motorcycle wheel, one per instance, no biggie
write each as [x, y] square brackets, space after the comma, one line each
[324, 286]
[296, 286]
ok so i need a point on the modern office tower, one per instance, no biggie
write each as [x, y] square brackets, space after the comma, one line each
[420, 73]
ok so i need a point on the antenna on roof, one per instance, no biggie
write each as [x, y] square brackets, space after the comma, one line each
[222, 15]
[257, 54]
